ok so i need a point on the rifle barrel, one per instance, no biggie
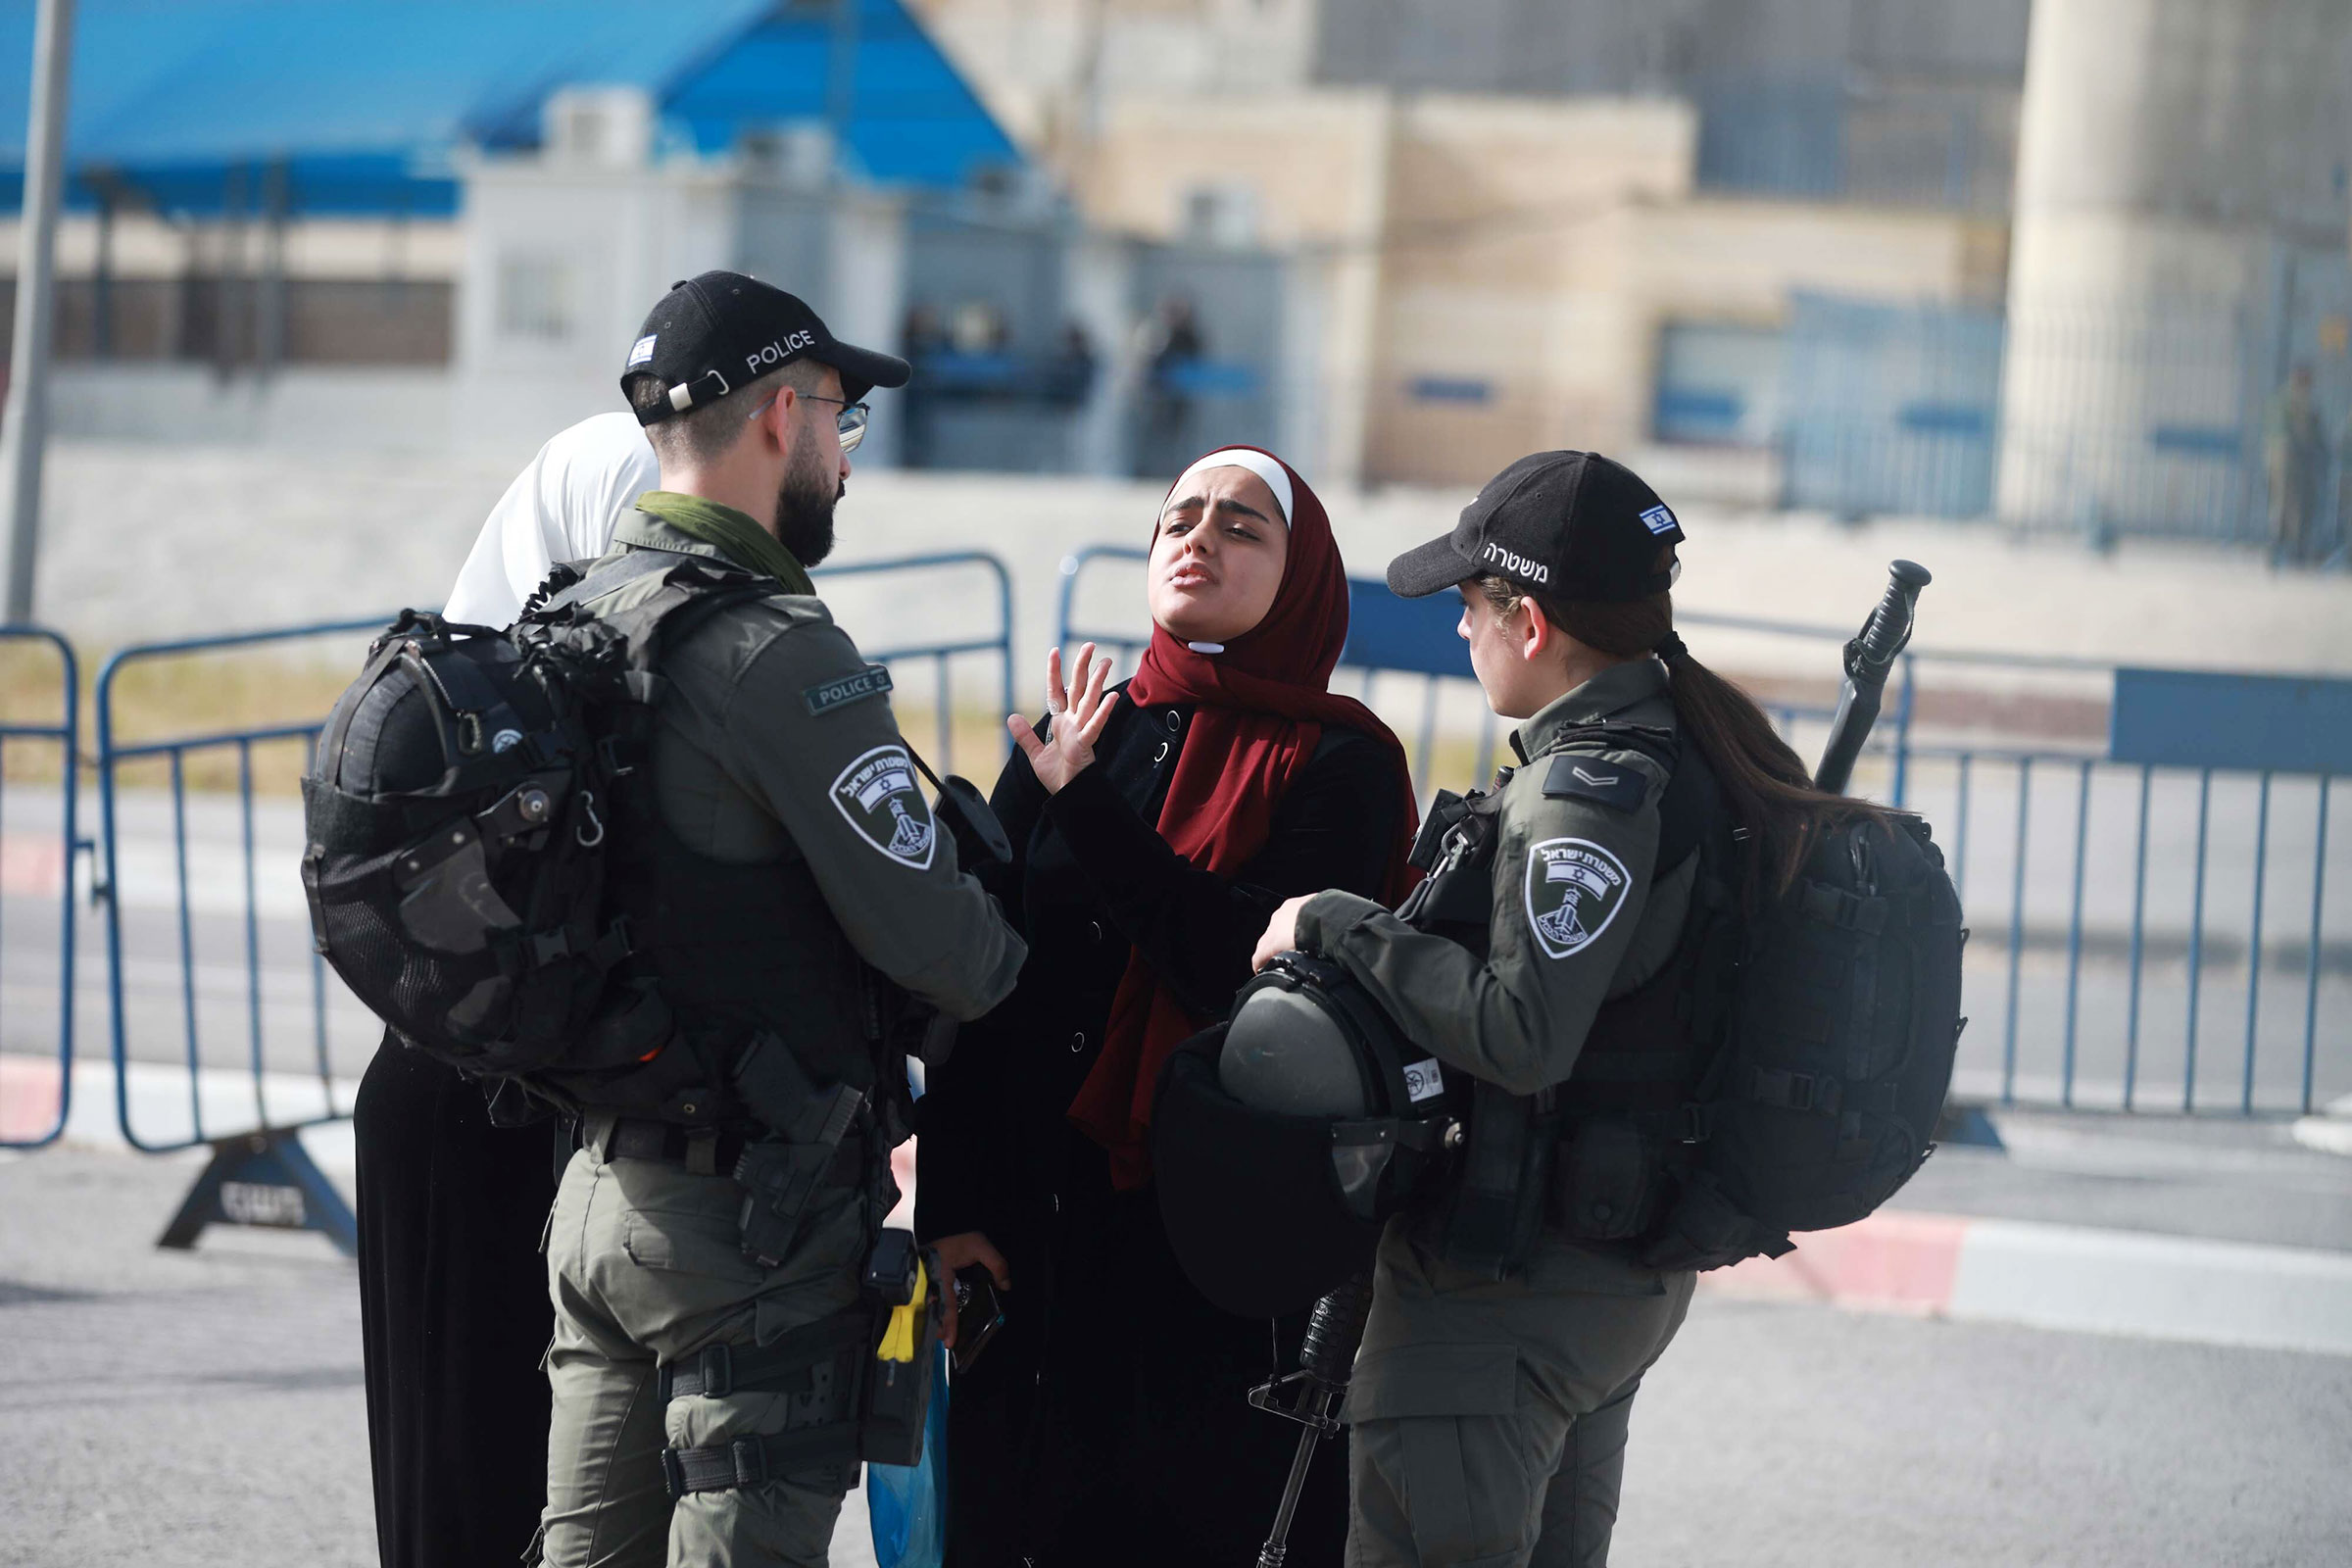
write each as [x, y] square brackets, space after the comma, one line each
[1868, 659]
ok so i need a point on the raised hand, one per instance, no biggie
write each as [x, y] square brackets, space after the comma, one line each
[1076, 721]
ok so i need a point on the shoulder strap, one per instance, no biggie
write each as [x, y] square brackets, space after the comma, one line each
[1691, 814]
[1661, 746]
[616, 571]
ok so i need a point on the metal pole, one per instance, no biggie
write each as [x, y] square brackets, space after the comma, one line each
[26, 429]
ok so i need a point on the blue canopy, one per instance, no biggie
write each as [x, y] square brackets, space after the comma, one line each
[356, 106]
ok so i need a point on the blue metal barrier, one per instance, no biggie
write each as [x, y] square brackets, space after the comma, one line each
[939, 653]
[36, 857]
[260, 1174]
[2099, 954]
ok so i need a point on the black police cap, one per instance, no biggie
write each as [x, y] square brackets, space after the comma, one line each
[713, 333]
[1575, 524]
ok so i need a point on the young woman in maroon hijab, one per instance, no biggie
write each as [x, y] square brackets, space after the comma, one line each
[1154, 825]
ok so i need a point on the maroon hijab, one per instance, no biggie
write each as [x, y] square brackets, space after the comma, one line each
[1261, 707]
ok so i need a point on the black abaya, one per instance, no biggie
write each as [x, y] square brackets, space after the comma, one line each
[1108, 1422]
[453, 1314]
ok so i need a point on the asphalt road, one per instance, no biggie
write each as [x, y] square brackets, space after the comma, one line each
[186, 1410]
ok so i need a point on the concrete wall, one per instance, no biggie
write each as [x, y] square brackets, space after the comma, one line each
[1315, 164]
[298, 410]
[1494, 276]
[1316, 170]
[146, 540]
[1048, 69]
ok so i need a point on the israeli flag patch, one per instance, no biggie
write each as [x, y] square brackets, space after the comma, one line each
[1657, 518]
[643, 353]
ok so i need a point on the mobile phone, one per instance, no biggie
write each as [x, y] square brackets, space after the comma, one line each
[979, 1314]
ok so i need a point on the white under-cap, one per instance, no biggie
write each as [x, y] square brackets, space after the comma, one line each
[1277, 479]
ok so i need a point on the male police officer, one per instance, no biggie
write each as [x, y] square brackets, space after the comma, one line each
[789, 875]
[1491, 1399]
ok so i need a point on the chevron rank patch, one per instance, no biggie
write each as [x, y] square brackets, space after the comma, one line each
[1588, 777]
[878, 795]
[1574, 890]
[871, 681]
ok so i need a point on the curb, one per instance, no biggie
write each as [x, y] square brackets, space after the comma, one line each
[2330, 1131]
[2065, 1277]
[1930, 1265]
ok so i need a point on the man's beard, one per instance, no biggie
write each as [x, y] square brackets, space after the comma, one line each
[805, 511]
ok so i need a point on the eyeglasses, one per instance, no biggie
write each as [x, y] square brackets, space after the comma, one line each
[850, 422]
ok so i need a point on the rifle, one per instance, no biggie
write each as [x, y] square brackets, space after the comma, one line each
[1869, 657]
[1326, 1363]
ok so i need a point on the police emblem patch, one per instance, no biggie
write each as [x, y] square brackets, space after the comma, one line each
[1574, 890]
[877, 795]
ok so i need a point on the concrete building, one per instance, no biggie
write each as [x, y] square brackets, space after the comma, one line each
[1482, 293]
[1490, 270]
[2179, 248]
[1765, 244]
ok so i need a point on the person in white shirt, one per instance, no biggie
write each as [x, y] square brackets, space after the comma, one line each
[452, 1294]
[563, 506]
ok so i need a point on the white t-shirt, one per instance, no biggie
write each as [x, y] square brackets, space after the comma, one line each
[563, 506]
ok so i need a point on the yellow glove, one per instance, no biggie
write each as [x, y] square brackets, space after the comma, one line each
[897, 1340]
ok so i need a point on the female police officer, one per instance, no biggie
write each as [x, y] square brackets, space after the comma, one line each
[1491, 1397]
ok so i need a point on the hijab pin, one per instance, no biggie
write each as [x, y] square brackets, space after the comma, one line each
[1207, 647]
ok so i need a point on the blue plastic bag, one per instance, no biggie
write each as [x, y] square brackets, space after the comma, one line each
[907, 1505]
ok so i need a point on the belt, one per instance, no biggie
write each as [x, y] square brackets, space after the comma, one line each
[636, 1138]
[709, 1151]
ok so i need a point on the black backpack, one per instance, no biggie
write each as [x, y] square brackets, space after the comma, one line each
[456, 812]
[1840, 1020]
[1785, 1071]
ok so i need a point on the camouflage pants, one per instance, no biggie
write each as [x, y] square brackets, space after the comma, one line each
[643, 1265]
[1490, 1417]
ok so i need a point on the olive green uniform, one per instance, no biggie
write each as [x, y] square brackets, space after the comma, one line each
[774, 744]
[1490, 1415]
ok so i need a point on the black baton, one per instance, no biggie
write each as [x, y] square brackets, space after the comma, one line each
[1868, 659]
[1326, 1363]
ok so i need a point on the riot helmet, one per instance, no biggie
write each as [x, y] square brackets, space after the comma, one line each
[1285, 1138]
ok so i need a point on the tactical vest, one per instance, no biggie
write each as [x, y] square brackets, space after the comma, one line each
[1597, 1157]
[721, 954]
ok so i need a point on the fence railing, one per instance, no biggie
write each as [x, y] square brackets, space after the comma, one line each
[193, 896]
[37, 855]
[2153, 931]
[939, 655]
[2128, 913]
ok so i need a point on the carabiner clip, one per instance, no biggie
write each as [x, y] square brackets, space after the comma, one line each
[588, 808]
